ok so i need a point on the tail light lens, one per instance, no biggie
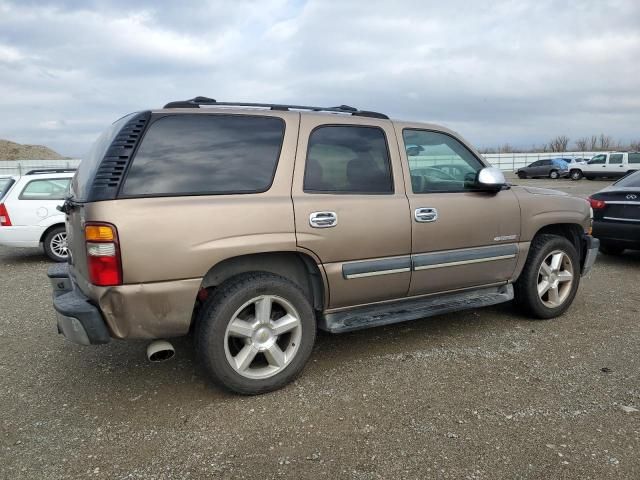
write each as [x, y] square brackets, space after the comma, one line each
[597, 204]
[103, 254]
[5, 220]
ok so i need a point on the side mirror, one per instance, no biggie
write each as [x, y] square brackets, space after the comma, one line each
[490, 179]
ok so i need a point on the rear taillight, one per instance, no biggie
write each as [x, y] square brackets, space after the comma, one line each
[103, 254]
[597, 204]
[5, 220]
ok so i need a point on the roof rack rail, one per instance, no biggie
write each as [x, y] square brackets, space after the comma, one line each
[197, 101]
[41, 171]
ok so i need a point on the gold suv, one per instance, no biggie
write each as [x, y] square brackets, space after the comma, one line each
[249, 226]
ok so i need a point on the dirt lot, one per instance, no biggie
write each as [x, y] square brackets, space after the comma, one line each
[481, 394]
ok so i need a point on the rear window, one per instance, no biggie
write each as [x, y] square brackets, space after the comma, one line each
[630, 181]
[45, 189]
[206, 154]
[5, 185]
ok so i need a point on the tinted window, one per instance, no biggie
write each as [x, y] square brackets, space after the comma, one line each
[546, 162]
[615, 158]
[598, 159]
[206, 154]
[348, 159]
[46, 189]
[442, 163]
[632, 181]
[536, 164]
[634, 158]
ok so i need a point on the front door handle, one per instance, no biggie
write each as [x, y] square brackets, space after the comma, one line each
[424, 215]
[323, 219]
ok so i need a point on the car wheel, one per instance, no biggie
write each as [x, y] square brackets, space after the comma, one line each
[575, 174]
[55, 244]
[611, 248]
[550, 277]
[255, 333]
[522, 175]
[553, 174]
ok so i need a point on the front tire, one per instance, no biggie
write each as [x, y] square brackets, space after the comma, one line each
[255, 333]
[55, 244]
[576, 174]
[550, 278]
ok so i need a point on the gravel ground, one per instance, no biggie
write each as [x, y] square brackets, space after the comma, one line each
[483, 394]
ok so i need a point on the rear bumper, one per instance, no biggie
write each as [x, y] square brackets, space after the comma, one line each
[591, 252]
[78, 320]
[622, 233]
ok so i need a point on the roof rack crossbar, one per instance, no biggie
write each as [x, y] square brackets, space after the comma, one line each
[197, 101]
[39, 171]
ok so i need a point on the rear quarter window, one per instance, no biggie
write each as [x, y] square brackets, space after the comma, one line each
[45, 189]
[206, 154]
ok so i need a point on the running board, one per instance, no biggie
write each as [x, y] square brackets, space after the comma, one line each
[405, 310]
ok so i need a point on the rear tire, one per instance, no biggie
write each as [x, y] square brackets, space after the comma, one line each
[576, 174]
[547, 291]
[255, 333]
[554, 174]
[611, 248]
[55, 244]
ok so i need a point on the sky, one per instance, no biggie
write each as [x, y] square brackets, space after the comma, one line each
[517, 72]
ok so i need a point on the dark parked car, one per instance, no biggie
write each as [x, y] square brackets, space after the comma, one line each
[551, 168]
[616, 215]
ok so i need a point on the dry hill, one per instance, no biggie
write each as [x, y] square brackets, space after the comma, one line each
[16, 151]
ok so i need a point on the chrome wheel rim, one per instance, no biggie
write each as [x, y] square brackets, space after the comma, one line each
[263, 337]
[59, 245]
[555, 279]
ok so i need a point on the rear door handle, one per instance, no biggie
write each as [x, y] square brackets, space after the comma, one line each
[425, 214]
[323, 219]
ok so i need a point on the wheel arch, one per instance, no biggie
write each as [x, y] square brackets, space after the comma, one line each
[48, 229]
[299, 267]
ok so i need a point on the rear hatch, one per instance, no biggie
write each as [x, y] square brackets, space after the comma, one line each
[97, 180]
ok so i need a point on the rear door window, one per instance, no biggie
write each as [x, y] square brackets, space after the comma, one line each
[348, 159]
[206, 155]
[45, 189]
[615, 158]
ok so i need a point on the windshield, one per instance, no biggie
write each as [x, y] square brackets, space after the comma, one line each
[91, 162]
[630, 181]
[5, 185]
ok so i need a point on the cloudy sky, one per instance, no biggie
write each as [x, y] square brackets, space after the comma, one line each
[510, 71]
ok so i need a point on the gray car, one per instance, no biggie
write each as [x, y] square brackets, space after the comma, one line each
[550, 168]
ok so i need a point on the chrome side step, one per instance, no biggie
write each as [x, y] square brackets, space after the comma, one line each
[405, 310]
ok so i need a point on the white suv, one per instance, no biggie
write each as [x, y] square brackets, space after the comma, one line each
[28, 213]
[611, 165]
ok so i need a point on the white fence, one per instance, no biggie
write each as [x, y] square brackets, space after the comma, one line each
[504, 161]
[20, 167]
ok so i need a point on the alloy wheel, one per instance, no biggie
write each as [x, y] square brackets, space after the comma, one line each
[59, 245]
[263, 337]
[555, 278]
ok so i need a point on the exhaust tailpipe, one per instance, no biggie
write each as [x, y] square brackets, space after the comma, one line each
[160, 350]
